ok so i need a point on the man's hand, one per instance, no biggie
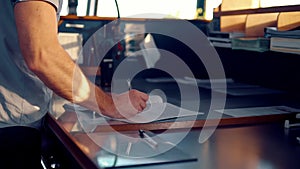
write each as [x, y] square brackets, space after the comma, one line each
[125, 105]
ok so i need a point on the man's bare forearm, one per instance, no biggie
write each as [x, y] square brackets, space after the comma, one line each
[37, 30]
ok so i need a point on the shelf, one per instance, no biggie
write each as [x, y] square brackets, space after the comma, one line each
[94, 18]
[290, 8]
[97, 18]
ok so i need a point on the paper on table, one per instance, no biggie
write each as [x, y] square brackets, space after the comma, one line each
[248, 91]
[233, 88]
[164, 80]
[156, 110]
[220, 83]
[160, 111]
[258, 111]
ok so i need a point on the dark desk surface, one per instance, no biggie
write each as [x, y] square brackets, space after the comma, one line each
[248, 142]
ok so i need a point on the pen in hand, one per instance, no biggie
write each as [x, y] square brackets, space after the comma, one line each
[129, 84]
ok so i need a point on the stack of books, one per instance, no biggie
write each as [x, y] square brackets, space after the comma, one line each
[284, 41]
[223, 39]
[259, 44]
